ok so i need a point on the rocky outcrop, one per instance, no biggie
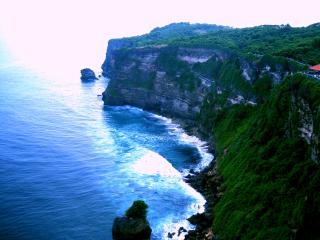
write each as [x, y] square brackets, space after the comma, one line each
[208, 183]
[145, 77]
[175, 80]
[125, 228]
[88, 75]
[134, 225]
[306, 126]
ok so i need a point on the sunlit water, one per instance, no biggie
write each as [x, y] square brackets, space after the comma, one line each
[69, 165]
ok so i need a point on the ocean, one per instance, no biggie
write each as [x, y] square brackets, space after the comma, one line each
[69, 165]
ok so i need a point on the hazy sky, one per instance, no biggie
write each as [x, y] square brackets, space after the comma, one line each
[59, 29]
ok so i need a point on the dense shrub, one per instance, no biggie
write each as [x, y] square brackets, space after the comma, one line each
[137, 210]
[298, 43]
[270, 188]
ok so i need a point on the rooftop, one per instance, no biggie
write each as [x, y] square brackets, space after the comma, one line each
[315, 67]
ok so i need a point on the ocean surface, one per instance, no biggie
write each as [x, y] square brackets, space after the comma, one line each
[69, 165]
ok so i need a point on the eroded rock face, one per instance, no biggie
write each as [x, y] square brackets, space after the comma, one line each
[199, 55]
[306, 125]
[141, 78]
[174, 80]
[125, 228]
[88, 75]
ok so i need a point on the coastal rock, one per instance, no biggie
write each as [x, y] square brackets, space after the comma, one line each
[125, 228]
[141, 77]
[207, 183]
[88, 75]
[175, 81]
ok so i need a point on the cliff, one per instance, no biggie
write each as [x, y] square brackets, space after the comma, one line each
[244, 89]
[159, 79]
[174, 81]
[268, 165]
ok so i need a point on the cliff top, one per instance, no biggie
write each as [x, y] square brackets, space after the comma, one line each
[301, 43]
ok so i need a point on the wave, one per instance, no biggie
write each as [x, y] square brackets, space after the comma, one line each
[183, 137]
[176, 130]
[153, 164]
[150, 169]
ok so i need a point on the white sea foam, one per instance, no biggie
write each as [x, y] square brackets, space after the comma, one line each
[175, 129]
[128, 108]
[173, 228]
[152, 163]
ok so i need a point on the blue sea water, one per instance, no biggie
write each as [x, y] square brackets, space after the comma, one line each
[69, 165]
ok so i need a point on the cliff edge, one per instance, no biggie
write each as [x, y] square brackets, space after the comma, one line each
[247, 92]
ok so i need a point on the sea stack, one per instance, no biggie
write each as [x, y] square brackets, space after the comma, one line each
[134, 225]
[88, 75]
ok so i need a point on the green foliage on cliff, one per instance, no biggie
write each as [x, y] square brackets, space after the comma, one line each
[262, 88]
[172, 32]
[301, 44]
[137, 210]
[178, 71]
[271, 184]
[296, 43]
[167, 61]
[269, 165]
[265, 72]
[137, 77]
[230, 78]
[188, 81]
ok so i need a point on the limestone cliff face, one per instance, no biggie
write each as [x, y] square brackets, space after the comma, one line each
[159, 79]
[306, 117]
[113, 44]
[175, 80]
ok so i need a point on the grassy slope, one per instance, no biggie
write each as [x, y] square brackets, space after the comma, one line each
[299, 43]
[302, 44]
[271, 186]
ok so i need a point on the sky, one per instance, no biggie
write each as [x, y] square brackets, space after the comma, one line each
[44, 32]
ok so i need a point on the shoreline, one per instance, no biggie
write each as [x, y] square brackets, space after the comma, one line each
[206, 181]
[199, 177]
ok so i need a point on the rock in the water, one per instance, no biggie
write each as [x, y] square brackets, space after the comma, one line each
[170, 235]
[125, 228]
[88, 75]
[181, 230]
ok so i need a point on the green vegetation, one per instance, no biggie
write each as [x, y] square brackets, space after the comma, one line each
[188, 81]
[171, 32]
[301, 44]
[262, 88]
[271, 185]
[167, 61]
[281, 49]
[137, 78]
[270, 171]
[228, 75]
[137, 210]
[179, 71]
